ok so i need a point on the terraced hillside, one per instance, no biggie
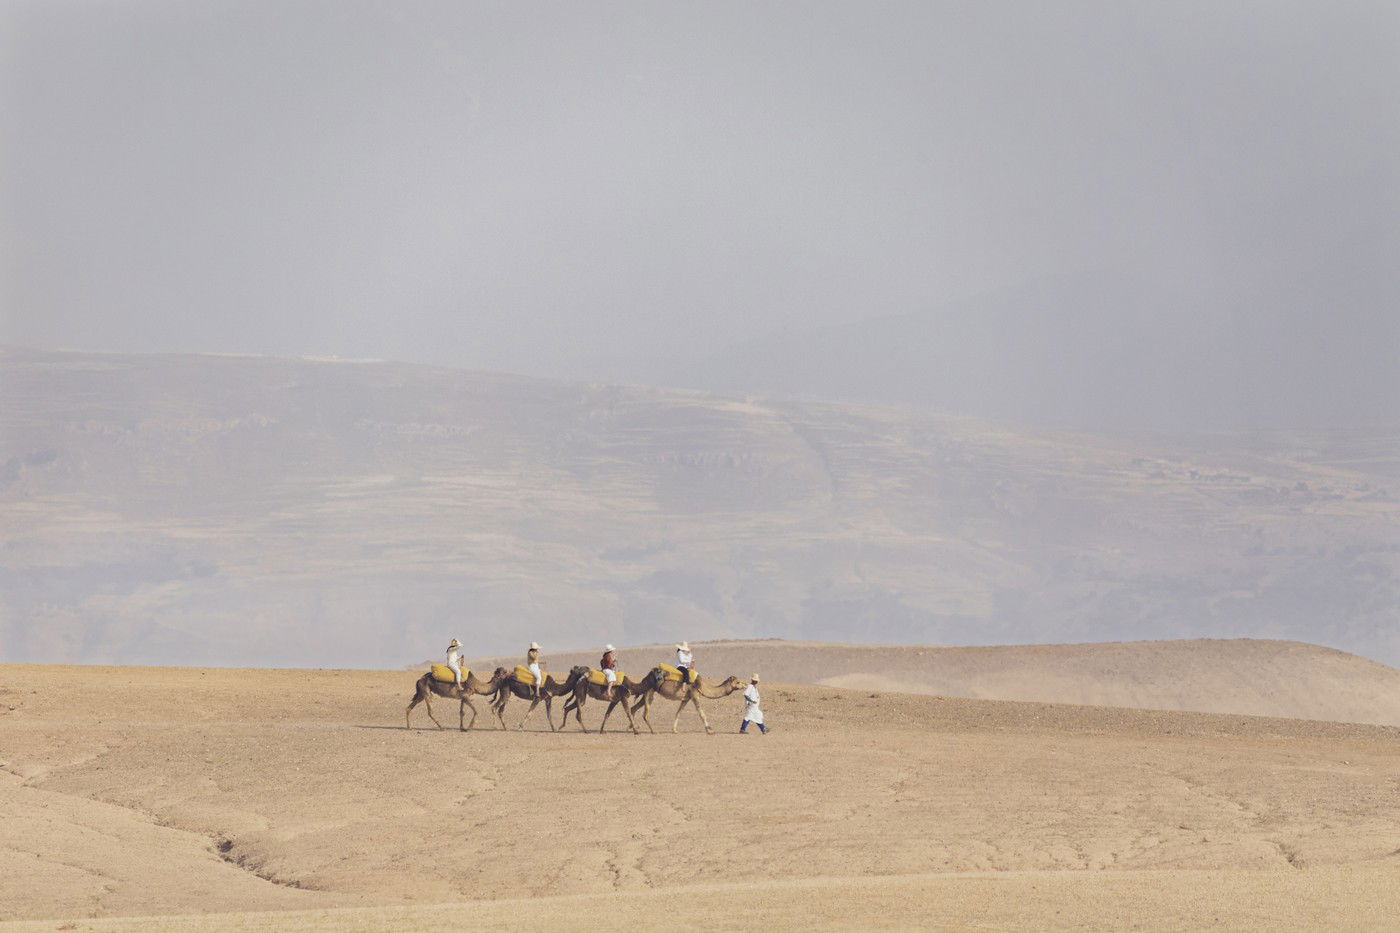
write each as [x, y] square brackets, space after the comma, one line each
[239, 510]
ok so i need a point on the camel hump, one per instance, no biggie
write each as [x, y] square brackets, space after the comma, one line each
[523, 675]
[444, 673]
[674, 673]
[595, 676]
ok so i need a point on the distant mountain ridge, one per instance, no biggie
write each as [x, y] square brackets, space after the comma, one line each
[256, 511]
[1081, 352]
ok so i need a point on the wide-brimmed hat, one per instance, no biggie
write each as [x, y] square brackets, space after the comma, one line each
[534, 646]
[753, 679]
[609, 648]
[683, 646]
[454, 643]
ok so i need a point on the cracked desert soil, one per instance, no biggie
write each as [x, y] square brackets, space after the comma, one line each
[170, 798]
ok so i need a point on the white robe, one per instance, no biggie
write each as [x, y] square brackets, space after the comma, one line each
[454, 661]
[752, 713]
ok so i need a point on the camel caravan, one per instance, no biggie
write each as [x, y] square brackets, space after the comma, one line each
[680, 683]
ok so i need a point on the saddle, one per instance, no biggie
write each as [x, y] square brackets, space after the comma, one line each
[595, 676]
[674, 673]
[523, 675]
[443, 674]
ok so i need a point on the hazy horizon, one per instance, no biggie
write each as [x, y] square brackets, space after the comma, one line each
[632, 192]
[1008, 323]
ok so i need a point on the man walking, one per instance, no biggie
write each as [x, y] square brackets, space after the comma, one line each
[753, 713]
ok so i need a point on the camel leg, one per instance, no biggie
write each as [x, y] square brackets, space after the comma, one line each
[626, 708]
[461, 713]
[499, 708]
[680, 708]
[549, 712]
[417, 698]
[646, 713]
[428, 705]
[571, 705]
[533, 703]
[708, 730]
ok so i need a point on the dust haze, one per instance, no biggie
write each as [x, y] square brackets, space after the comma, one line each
[967, 322]
[1001, 399]
[1010, 212]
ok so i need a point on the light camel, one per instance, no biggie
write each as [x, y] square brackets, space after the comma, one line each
[654, 685]
[473, 686]
[622, 691]
[551, 689]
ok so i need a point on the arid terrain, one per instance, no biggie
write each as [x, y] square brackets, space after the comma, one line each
[1257, 678]
[185, 509]
[142, 798]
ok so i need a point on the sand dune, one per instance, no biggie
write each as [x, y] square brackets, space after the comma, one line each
[1246, 676]
[146, 792]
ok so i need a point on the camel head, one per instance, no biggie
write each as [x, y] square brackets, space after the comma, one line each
[575, 672]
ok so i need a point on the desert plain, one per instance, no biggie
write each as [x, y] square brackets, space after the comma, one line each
[241, 799]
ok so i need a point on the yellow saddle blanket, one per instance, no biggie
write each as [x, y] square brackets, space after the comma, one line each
[523, 675]
[595, 676]
[674, 673]
[444, 673]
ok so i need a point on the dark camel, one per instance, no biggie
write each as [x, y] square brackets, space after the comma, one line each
[428, 685]
[551, 689]
[624, 689]
[653, 686]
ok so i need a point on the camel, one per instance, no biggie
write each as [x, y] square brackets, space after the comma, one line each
[623, 690]
[653, 685]
[551, 689]
[428, 685]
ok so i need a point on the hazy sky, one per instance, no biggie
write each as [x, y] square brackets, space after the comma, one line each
[568, 188]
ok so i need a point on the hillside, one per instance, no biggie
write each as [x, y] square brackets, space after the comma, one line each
[1240, 676]
[246, 510]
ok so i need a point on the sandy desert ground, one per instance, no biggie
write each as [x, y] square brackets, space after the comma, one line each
[1256, 677]
[168, 798]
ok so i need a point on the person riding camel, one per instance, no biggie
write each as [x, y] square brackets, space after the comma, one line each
[532, 661]
[609, 668]
[684, 661]
[454, 660]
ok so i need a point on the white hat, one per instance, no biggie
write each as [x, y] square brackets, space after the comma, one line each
[754, 679]
[684, 646]
[609, 648]
[454, 644]
[534, 646]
